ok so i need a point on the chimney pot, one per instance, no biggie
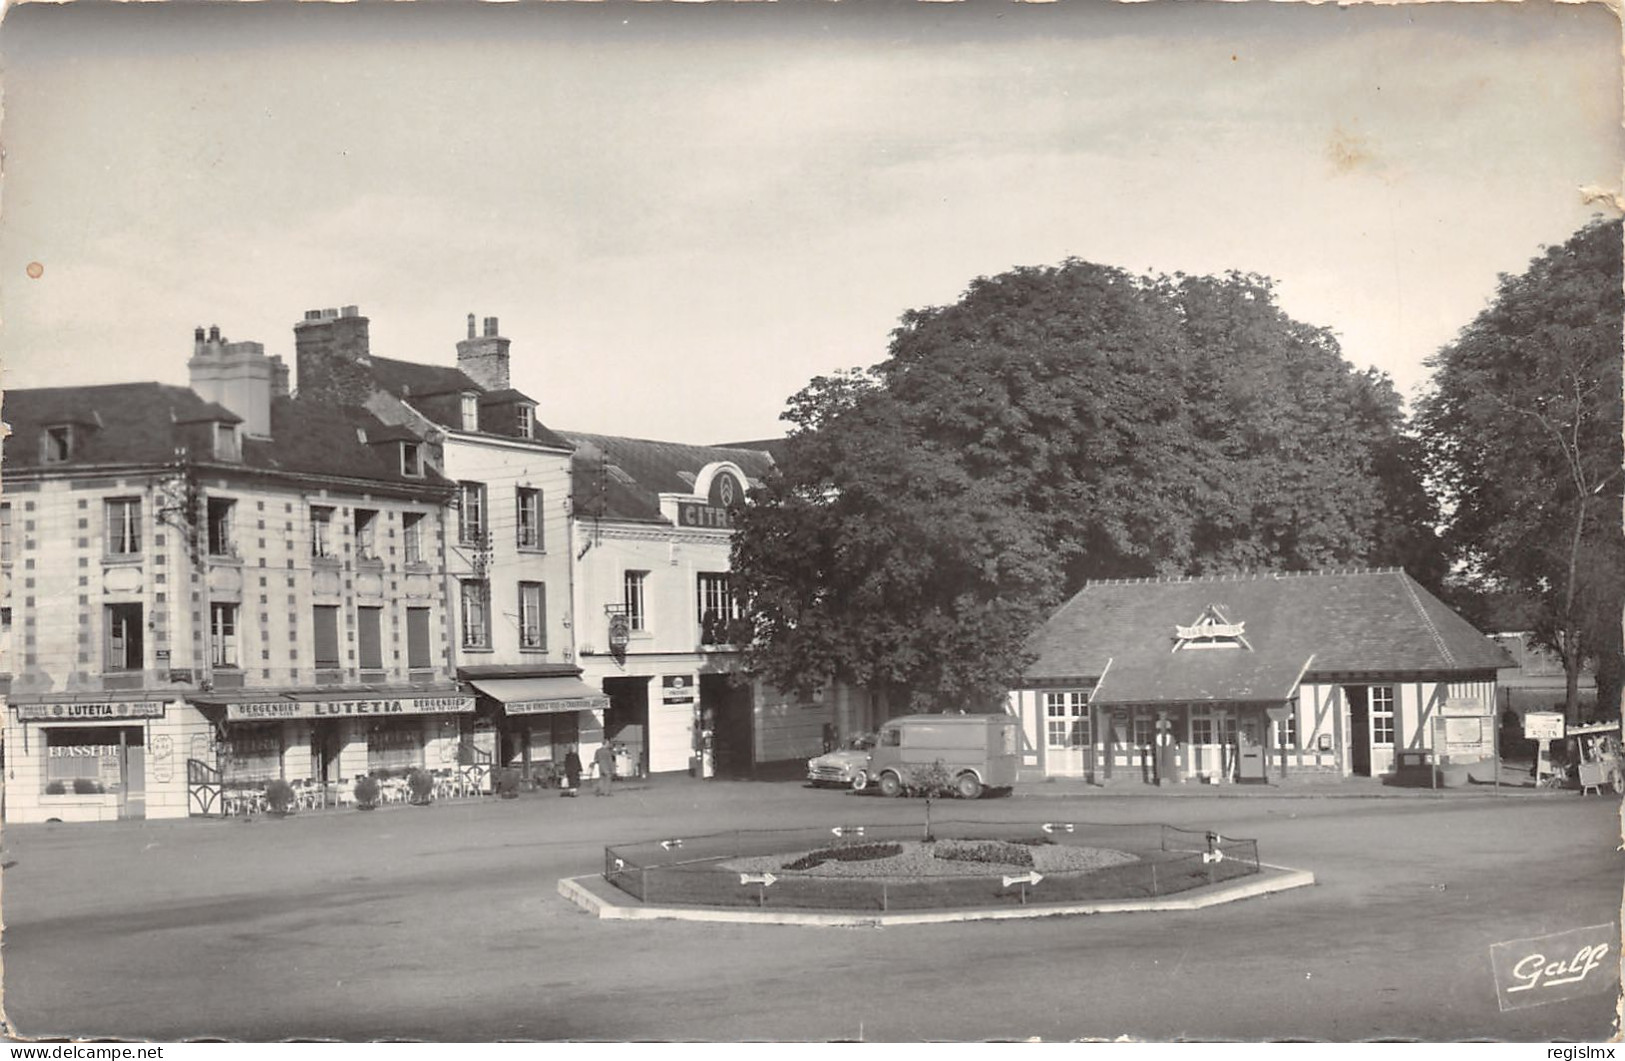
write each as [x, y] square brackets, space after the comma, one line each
[471, 325]
[330, 313]
[350, 311]
[490, 326]
[214, 333]
[197, 334]
[313, 314]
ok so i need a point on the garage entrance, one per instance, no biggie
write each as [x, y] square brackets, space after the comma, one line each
[728, 710]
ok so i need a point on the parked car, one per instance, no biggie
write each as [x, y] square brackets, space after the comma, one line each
[844, 765]
[980, 752]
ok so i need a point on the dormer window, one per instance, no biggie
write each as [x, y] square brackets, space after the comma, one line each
[525, 421]
[56, 445]
[412, 459]
[471, 412]
[227, 446]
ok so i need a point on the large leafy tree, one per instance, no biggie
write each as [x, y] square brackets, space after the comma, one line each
[1522, 428]
[1054, 425]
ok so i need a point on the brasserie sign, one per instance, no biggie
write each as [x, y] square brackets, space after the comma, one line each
[272, 710]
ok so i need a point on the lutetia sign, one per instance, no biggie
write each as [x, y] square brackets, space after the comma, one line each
[418, 705]
[105, 712]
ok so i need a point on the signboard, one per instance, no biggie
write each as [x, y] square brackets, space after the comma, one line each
[1543, 725]
[1564, 965]
[620, 635]
[694, 514]
[1462, 706]
[272, 710]
[1464, 731]
[111, 711]
[677, 689]
[553, 707]
[1189, 633]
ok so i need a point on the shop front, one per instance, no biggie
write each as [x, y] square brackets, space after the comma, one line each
[74, 760]
[537, 718]
[328, 739]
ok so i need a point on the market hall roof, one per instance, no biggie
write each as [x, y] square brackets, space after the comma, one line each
[623, 478]
[1125, 636]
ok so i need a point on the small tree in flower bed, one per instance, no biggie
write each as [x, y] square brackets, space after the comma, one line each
[845, 853]
[998, 852]
[421, 782]
[366, 793]
[934, 783]
[279, 797]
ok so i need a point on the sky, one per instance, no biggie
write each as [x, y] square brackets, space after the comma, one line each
[683, 213]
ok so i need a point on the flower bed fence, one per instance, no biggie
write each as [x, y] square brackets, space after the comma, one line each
[693, 870]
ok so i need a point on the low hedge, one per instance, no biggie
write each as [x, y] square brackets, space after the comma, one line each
[845, 853]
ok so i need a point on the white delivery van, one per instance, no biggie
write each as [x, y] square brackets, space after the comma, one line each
[980, 752]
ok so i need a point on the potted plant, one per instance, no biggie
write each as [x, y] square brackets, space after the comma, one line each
[366, 793]
[56, 788]
[740, 631]
[86, 786]
[421, 784]
[508, 783]
[279, 798]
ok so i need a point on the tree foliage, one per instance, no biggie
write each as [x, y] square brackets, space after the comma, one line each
[1523, 442]
[1059, 424]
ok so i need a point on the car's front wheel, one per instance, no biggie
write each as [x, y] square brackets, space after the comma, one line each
[891, 785]
[860, 781]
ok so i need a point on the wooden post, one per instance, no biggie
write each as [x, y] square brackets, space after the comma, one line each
[1495, 749]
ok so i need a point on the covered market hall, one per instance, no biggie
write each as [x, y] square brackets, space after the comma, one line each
[1259, 678]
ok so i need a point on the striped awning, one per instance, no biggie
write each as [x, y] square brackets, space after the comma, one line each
[542, 696]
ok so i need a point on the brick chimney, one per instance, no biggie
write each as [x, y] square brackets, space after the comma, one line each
[331, 356]
[484, 358]
[279, 377]
[236, 375]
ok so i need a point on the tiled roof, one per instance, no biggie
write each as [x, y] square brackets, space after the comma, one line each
[1355, 622]
[318, 439]
[436, 390]
[407, 378]
[622, 478]
[115, 423]
[506, 395]
[773, 447]
[142, 423]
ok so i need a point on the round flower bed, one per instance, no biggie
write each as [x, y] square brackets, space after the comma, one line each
[942, 858]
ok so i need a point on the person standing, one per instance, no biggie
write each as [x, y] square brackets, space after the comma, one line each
[604, 760]
[572, 772]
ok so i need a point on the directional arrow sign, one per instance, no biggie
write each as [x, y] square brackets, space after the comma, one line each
[1213, 856]
[1026, 878]
[764, 879]
[1057, 827]
[844, 830]
[669, 844]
